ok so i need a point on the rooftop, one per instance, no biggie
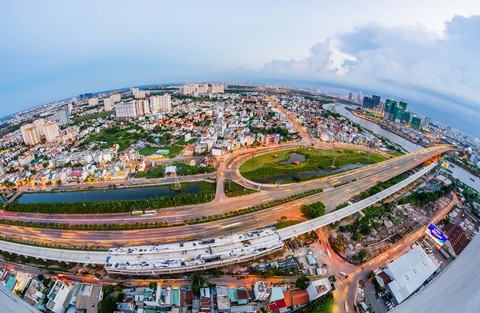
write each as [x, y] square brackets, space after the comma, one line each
[409, 272]
[193, 253]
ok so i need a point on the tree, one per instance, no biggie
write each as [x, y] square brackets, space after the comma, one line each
[302, 282]
[59, 181]
[337, 243]
[198, 282]
[313, 210]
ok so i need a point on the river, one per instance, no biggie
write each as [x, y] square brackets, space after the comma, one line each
[375, 128]
[465, 177]
[457, 172]
[107, 194]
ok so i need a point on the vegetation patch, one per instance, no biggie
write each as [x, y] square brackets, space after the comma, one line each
[277, 163]
[285, 224]
[232, 189]
[324, 304]
[313, 210]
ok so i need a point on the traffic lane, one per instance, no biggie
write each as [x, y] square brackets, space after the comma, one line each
[150, 236]
[187, 210]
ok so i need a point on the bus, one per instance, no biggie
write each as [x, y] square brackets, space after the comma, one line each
[149, 213]
[137, 212]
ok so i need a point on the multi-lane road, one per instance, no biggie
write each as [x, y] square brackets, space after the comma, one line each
[337, 189]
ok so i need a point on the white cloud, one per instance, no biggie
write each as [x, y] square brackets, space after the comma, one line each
[401, 61]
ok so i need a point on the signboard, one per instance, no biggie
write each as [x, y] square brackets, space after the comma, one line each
[436, 234]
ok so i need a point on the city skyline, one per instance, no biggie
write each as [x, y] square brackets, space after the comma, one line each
[421, 56]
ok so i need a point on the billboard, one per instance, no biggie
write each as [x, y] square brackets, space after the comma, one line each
[436, 234]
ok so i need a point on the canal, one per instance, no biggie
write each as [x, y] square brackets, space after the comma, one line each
[107, 194]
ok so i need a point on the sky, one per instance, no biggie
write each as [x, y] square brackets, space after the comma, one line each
[425, 52]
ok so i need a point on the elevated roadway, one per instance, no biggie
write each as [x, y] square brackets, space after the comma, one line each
[364, 177]
[105, 239]
[100, 257]
[295, 230]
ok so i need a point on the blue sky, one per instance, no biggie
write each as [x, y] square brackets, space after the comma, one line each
[424, 52]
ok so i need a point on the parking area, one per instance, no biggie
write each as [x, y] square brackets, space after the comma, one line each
[372, 299]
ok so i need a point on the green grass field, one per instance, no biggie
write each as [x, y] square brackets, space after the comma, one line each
[177, 148]
[115, 135]
[232, 189]
[396, 153]
[266, 165]
[148, 150]
[284, 224]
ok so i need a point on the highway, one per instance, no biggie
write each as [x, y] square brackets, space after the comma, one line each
[111, 238]
[293, 231]
[361, 178]
[72, 238]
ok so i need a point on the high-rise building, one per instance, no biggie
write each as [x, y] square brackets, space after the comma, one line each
[39, 125]
[142, 107]
[161, 103]
[216, 88]
[403, 105]
[196, 89]
[51, 131]
[406, 117]
[116, 98]
[390, 106]
[63, 116]
[350, 96]
[416, 121]
[372, 102]
[397, 116]
[425, 122]
[30, 134]
[140, 94]
[93, 101]
[107, 104]
[126, 110]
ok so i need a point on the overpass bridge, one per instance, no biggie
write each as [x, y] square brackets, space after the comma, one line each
[202, 254]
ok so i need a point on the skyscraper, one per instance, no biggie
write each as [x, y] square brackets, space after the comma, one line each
[39, 125]
[406, 117]
[390, 106]
[160, 103]
[51, 131]
[403, 105]
[107, 104]
[30, 134]
[126, 110]
[416, 121]
[372, 102]
[63, 116]
[397, 116]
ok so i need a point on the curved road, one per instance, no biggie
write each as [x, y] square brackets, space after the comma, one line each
[369, 175]
[331, 197]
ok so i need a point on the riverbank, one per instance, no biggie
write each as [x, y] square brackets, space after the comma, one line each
[379, 123]
[108, 201]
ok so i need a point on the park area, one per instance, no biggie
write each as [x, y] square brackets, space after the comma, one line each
[303, 164]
